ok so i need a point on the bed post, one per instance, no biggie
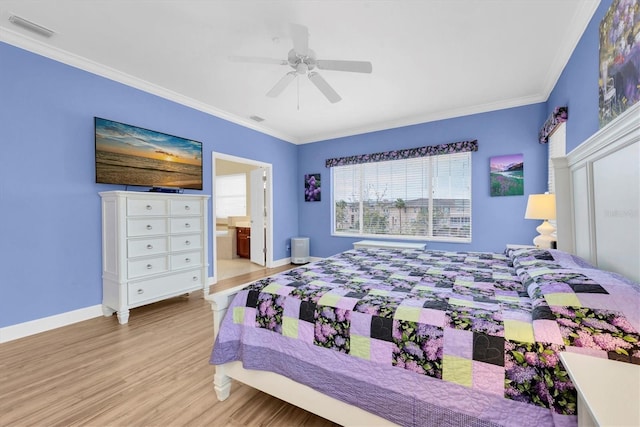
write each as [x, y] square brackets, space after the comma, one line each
[219, 304]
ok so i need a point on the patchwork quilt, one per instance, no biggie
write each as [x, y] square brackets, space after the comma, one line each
[434, 337]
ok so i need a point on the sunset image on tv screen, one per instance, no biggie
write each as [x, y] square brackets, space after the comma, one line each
[130, 155]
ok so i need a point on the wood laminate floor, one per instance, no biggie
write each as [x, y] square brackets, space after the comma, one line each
[154, 371]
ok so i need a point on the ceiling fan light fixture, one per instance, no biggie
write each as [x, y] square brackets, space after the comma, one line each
[303, 61]
[302, 68]
[31, 26]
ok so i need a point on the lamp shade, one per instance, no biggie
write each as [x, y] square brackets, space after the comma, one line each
[541, 206]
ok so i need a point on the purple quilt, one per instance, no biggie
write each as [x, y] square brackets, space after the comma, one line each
[436, 338]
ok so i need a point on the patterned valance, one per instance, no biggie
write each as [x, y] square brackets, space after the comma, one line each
[560, 115]
[408, 153]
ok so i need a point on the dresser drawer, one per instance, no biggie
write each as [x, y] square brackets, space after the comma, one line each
[185, 225]
[146, 227]
[161, 287]
[142, 247]
[185, 242]
[147, 266]
[146, 207]
[185, 207]
[186, 260]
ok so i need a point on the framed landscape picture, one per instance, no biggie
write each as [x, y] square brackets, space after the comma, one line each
[507, 175]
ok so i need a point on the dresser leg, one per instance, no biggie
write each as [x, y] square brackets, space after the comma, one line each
[107, 311]
[123, 317]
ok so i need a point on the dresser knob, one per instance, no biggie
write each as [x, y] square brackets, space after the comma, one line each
[187, 207]
[149, 266]
[149, 227]
[187, 242]
[195, 278]
[187, 260]
[149, 207]
[187, 225]
[149, 246]
[140, 291]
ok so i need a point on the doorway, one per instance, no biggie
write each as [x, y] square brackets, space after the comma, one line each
[253, 220]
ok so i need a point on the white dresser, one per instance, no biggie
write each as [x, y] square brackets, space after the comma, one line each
[154, 246]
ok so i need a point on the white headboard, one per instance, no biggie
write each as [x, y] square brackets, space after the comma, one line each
[598, 197]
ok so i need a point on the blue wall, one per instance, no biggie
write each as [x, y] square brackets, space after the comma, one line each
[50, 238]
[50, 209]
[496, 220]
[577, 87]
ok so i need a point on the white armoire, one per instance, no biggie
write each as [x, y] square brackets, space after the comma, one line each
[154, 247]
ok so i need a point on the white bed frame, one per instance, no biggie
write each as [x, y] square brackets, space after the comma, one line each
[598, 192]
[598, 197]
[279, 386]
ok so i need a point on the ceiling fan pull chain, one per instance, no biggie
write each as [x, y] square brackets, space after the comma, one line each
[298, 83]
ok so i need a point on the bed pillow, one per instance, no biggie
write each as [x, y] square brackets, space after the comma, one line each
[588, 310]
[537, 256]
[548, 271]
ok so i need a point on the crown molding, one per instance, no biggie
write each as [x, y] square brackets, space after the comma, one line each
[35, 46]
[576, 27]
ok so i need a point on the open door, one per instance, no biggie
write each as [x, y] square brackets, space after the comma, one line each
[258, 215]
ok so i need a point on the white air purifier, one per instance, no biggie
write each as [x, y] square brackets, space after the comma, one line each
[299, 250]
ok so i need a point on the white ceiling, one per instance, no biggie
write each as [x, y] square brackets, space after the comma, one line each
[432, 59]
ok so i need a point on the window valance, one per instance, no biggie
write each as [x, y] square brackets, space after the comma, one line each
[559, 115]
[408, 153]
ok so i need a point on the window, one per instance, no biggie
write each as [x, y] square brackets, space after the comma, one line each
[231, 195]
[424, 197]
[557, 148]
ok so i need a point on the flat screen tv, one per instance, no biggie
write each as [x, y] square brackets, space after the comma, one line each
[130, 155]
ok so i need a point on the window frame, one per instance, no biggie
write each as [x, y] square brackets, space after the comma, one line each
[417, 209]
[243, 194]
[557, 147]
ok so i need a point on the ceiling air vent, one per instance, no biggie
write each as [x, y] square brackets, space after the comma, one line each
[31, 26]
[256, 119]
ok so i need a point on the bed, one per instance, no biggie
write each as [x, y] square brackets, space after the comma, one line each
[418, 337]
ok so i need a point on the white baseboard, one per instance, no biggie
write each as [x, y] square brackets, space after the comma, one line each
[286, 261]
[281, 262]
[32, 327]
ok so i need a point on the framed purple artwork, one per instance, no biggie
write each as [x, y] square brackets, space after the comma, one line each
[619, 59]
[312, 187]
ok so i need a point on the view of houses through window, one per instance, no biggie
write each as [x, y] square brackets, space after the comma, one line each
[425, 197]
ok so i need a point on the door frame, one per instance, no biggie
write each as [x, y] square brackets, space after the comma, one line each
[257, 253]
[268, 205]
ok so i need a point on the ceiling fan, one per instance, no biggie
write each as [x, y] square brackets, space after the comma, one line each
[304, 62]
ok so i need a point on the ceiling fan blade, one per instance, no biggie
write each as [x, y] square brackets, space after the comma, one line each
[324, 87]
[282, 84]
[258, 60]
[337, 65]
[300, 36]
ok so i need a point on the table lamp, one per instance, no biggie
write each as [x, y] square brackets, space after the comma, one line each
[542, 206]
